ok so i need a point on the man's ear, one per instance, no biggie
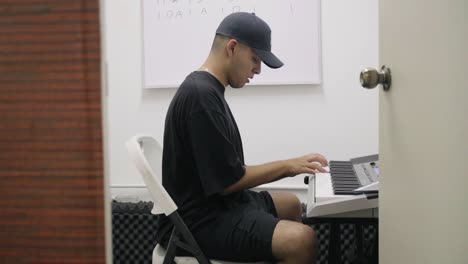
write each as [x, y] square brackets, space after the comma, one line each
[231, 46]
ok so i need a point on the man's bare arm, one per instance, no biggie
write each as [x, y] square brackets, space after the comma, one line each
[260, 174]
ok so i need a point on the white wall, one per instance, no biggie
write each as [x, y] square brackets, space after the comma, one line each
[337, 118]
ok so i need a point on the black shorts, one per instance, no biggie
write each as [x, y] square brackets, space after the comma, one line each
[244, 233]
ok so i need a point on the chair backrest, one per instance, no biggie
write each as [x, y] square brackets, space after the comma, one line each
[146, 154]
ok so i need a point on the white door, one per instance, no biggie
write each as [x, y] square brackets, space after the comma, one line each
[424, 132]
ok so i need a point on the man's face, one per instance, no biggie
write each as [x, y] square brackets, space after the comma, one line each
[245, 64]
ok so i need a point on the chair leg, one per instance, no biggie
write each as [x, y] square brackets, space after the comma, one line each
[171, 248]
[192, 245]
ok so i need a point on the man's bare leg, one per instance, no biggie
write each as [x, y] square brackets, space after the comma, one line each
[293, 242]
[287, 206]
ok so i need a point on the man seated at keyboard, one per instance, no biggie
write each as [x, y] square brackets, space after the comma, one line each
[203, 160]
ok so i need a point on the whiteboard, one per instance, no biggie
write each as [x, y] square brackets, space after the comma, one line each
[177, 37]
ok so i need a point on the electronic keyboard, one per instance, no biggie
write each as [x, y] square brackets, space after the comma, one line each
[349, 187]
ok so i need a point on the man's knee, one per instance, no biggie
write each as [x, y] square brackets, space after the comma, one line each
[288, 206]
[295, 242]
[296, 208]
[305, 240]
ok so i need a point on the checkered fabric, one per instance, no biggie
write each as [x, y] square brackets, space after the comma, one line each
[348, 246]
[323, 237]
[133, 232]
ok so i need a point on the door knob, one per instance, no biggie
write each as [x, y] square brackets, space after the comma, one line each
[370, 78]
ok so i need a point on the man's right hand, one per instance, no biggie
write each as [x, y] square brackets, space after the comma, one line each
[310, 163]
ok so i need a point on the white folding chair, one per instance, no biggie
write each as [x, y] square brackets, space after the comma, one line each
[146, 154]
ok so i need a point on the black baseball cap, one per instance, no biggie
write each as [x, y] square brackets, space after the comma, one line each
[249, 29]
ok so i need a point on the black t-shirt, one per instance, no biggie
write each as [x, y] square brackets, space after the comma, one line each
[202, 152]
